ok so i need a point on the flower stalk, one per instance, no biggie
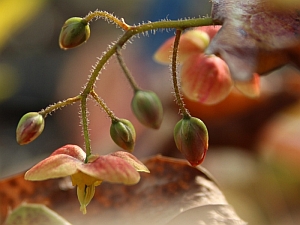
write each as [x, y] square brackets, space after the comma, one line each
[126, 71]
[178, 97]
[85, 127]
[50, 109]
[103, 105]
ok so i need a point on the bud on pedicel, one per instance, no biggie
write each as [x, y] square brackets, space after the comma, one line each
[147, 108]
[74, 32]
[123, 133]
[191, 138]
[30, 126]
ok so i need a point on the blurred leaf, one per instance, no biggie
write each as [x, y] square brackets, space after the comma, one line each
[29, 214]
[171, 189]
[14, 14]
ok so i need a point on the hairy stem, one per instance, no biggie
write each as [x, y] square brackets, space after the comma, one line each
[178, 97]
[108, 17]
[59, 105]
[133, 30]
[84, 121]
[103, 105]
[130, 31]
[126, 71]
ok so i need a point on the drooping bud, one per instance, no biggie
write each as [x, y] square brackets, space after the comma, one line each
[123, 133]
[191, 138]
[147, 108]
[30, 126]
[74, 32]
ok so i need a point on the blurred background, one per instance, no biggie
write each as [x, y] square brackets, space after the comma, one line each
[254, 143]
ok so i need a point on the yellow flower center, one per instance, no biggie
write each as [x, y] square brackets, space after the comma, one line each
[85, 188]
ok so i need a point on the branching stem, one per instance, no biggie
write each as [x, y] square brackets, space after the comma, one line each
[133, 30]
[130, 31]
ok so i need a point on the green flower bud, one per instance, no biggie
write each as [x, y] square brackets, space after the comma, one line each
[123, 133]
[30, 126]
[191, 138]
[147, 108]
[74, 32]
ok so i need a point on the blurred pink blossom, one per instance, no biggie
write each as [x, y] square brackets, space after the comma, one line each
[204, 78]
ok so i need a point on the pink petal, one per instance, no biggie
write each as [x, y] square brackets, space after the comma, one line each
[112, 169]
[250, 88]
[192, 41]
[71, 150]
[210, 30]
[53, 167]
[205, 79]
[132, 160]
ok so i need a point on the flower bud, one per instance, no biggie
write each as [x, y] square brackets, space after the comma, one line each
[123, 133]
[147, 108]
[30, 126]
[74, 32]
[191, 138]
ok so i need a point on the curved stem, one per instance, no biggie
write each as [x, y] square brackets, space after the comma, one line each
[126, 71]
[133, 30]
[107, 16]
[178, 97]
[103, 105]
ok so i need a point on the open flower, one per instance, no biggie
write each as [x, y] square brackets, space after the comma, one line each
[69, 160]
[205, 78]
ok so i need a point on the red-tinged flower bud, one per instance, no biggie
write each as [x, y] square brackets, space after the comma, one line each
[74, 32]
[147, 108]
[30, 126]
[191, 138]
[123, 133]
